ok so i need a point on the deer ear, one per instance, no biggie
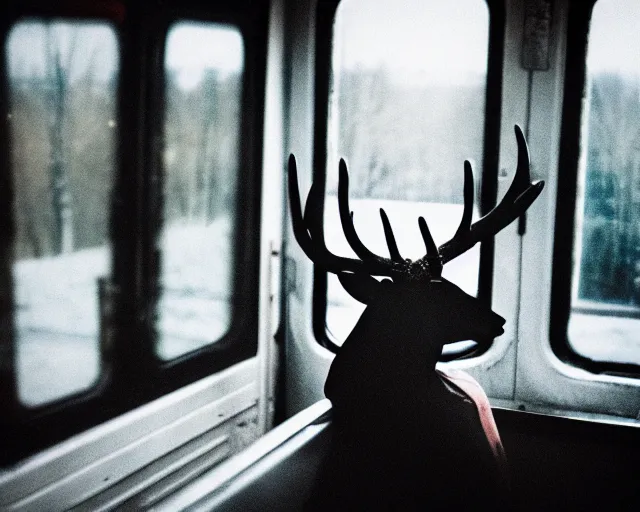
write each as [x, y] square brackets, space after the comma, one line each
[361, 287]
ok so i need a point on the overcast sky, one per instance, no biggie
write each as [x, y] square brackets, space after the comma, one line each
[94, 43]
[418, 41]
[194, 47]
[191, 49]
[614, 38]
[421, 41]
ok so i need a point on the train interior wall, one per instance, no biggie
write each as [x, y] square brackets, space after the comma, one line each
[556, 462]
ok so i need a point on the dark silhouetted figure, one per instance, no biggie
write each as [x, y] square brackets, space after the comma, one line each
[405, 435]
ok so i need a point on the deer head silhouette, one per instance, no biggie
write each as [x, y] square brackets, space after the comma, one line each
[416, 301]
[383, 383]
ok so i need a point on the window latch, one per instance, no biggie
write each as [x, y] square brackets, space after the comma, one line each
[537, 35]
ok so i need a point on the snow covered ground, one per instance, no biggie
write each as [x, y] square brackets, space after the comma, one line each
[443, 219]
[56, 323]
[605, 338]
[57, 320]
[602, 338]
[195, 307]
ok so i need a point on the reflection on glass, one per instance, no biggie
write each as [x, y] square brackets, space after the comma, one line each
[407, 109]
[203, 69]
[62, 118]
[605, 317]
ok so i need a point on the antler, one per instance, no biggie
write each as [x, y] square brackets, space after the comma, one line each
[521, 194]
[309, 234]
[346, 219]
[308, 230]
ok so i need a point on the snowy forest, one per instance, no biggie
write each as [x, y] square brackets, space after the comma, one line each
[64, 159]
[64, 132]
[402, 143]
[610, 259]
[64, 156]
[407, 142]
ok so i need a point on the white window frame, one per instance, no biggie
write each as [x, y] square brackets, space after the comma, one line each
[520, 371]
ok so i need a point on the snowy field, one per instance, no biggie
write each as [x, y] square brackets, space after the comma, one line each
[443, 219]
[57, 323]
[57, 320]
[605, 338]
[57, 298]
[195, 308]
[602, 338]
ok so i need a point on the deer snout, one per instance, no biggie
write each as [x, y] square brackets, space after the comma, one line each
[497, 325]
[489, 327]
[487, 331]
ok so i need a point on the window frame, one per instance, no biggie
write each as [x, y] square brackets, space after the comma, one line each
[520, 371]
[575, 79]
[325, 17]
[544, 382]
[241, 246]
[131, 373]
[240, 341]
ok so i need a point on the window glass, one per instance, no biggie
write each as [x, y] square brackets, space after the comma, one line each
[605, 318]
[407, 108]
[62, 81]
[203, 75]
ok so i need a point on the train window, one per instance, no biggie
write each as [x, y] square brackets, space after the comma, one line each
[201, 162]
[131, 271]
[604, 322]
[407, 108]
[62, 77]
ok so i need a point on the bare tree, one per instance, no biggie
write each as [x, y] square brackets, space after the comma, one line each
[407, 141]
[610, 237]
[62, 125]
[206, 177]
[58, 77]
